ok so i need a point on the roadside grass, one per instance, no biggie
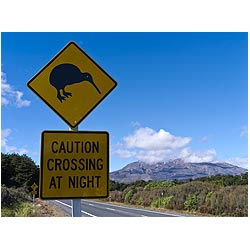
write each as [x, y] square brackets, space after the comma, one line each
[24, 209]
[39, 208]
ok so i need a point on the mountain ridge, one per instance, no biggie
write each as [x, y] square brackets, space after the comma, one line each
[172, 169]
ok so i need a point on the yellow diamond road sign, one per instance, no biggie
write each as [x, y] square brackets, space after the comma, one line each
[72, 84]
[74, 165]
[34, 186]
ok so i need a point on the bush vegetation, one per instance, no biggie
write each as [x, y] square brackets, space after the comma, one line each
[18, 173]
[217, 195]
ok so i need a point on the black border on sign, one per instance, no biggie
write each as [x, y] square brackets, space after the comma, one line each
[48, 64]
[41, 165]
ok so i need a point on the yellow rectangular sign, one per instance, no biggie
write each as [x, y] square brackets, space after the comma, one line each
[74, 164]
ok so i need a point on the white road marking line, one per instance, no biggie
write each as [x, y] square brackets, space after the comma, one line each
[110, 208]
[88, 213]
[67, 205]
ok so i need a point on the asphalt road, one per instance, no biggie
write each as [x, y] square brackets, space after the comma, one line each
[100, 209]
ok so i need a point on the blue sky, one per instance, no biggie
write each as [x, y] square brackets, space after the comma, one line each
[179, 95]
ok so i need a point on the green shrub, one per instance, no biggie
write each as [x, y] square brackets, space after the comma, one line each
[208, 196]
[128, 196]
[25, 209]
[7, 212]
[191, 202]
[161, 202]
[229, 201]
[10, 197]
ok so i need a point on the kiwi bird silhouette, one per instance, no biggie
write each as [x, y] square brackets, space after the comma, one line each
[67, 74]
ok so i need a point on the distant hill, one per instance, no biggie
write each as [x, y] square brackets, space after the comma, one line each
[172, 169]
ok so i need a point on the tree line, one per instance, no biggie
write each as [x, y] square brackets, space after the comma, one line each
[18, 171]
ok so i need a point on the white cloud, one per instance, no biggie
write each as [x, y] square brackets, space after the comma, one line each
[5, 145]
[243, 131]
[9, 96]
[135, 124]
[152, 156]
[188, 155]
[4, 140]
[204, 139]
[148, 145]
[124, 153]
[240, 162]
[149, 139]
[19, 102]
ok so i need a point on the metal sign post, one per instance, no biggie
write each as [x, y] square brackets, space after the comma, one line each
[76, 208]
[34, 192]
[76, 204]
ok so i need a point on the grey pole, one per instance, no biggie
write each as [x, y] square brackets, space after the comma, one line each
[76, 208]
[76, 204]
